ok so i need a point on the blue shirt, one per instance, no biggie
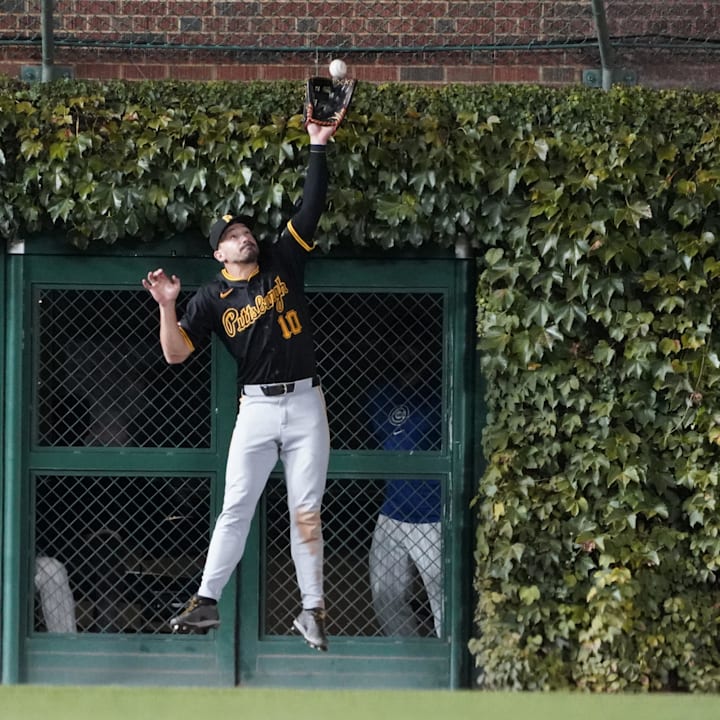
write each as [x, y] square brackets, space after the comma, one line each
[408, 418]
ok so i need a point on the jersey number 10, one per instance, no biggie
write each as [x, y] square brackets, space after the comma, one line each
[289, 324]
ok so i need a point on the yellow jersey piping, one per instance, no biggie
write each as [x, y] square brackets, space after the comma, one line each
[185, 337]
[231, 278]
[298, 239]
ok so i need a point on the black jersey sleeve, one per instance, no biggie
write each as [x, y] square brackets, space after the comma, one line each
[301, 227]
[198, 320]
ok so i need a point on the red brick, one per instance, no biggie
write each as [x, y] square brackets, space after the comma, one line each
[378, 74]
[517, 74]
[285, 72]
[100, 24]
[145, 72]
[134, 8]
[516, 9]
[561, 75]
[196, 73]
[97, 7]
[10, 69]
[381, 8]
[238, 72]
[428, 9]
[422, 74]
[469, 74]
[98, 71]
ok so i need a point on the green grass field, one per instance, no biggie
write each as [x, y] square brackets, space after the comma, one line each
[33, 702]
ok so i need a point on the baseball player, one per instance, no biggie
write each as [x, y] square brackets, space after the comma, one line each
[257, 307]
[405, 415]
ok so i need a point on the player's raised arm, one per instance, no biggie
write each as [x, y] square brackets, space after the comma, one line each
[165, 291]
[304, 222]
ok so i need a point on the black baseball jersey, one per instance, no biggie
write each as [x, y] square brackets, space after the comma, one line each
[264, 320]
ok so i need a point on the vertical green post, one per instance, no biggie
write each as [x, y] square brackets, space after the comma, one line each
[606, 55]
[3, 425]
[463, 399]
[48, 40]
[12, 458]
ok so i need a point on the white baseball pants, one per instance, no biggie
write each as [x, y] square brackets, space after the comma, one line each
[293, 427]
[396, 547]
[56, 599]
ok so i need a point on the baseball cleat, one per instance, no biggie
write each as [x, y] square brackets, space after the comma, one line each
[311, 625]
[197, 617]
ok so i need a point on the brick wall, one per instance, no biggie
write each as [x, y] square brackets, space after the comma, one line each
[427, 41]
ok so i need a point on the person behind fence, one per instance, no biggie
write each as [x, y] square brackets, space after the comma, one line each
[405, 416]
[257, 307]
[56, 598]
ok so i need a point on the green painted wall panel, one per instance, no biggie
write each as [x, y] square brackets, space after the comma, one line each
[237, 652]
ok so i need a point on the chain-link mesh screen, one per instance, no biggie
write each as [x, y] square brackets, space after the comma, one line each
[381, 357]
[357, 591]
[128, 551]
[132, 548]
[368, 339]
[102, 380]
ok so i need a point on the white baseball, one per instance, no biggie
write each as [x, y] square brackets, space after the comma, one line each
[338, 69]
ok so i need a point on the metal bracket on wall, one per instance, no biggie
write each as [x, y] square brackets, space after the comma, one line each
[33, 73]
[621, 76]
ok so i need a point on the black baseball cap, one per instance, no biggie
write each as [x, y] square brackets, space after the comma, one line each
[221, 225]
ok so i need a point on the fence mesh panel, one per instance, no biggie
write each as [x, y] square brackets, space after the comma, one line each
[129, 550]
[365, 337]
[102, 380]
[132, 547]
[350, 511]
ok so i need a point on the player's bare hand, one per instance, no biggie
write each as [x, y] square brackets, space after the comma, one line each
[164, 289]
[319, 134]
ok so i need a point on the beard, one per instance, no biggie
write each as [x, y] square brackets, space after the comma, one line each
[246, 253]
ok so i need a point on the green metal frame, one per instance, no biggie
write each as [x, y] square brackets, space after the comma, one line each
[385, 662]
[12, 477]
[3, 425]
[101, 658]
[223, 658]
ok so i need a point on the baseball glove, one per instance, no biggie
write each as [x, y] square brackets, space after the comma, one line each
[327, 101]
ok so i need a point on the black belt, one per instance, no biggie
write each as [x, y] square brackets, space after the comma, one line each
[280, 388]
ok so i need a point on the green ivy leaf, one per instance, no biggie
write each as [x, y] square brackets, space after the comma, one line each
[529, 594]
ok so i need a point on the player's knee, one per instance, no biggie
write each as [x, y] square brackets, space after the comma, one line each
[308, 524]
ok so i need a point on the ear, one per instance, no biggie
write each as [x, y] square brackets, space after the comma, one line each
[219, 255]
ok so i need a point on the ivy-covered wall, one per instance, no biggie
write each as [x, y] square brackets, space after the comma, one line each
[595, 219]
